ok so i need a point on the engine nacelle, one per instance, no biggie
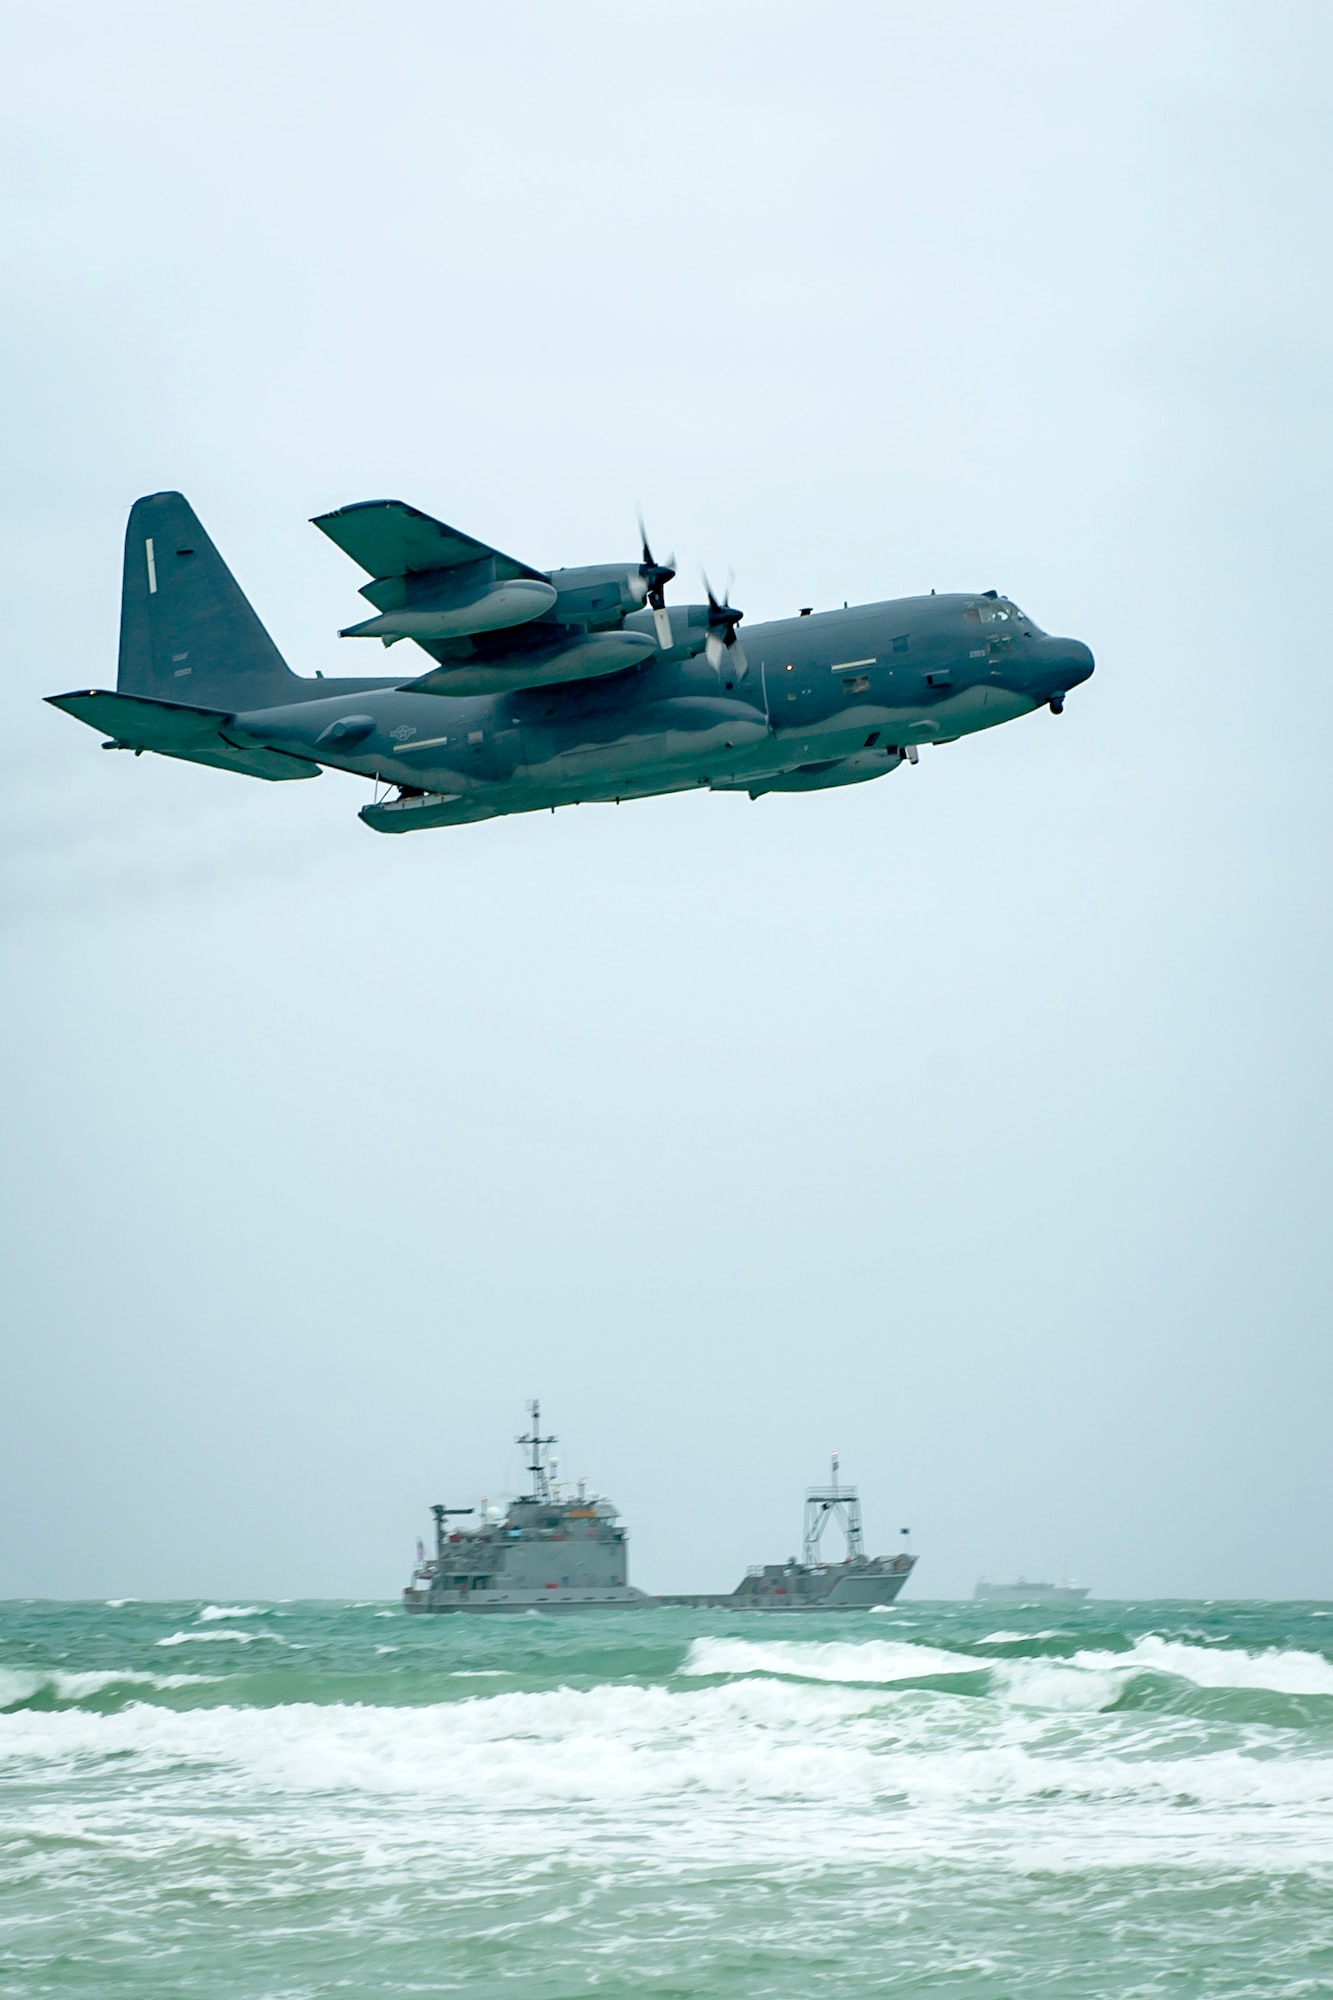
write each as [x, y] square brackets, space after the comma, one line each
[581, 657]
[454, 616]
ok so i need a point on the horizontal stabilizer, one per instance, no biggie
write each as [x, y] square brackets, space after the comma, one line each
[197, 735]
[389, 538]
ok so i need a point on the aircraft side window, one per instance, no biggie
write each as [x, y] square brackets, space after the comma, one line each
[900, 643]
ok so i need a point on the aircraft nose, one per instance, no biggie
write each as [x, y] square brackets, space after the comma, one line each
[1080, 659]
[1057, 666]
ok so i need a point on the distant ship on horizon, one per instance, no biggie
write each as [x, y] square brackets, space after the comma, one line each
[1021, 1590]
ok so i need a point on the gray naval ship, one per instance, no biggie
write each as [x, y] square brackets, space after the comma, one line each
[546, 1552]
[549, 1551]
[858, 1583]
[1020, 1590]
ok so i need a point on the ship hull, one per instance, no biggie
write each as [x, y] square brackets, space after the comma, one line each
[866, 1590]
[495, 1603]
[848, 1593]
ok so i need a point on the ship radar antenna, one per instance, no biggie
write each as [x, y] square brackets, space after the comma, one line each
[541, 1479]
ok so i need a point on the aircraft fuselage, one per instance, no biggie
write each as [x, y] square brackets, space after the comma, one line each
[826, 699]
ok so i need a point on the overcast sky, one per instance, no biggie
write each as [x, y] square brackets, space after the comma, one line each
[974, 1122]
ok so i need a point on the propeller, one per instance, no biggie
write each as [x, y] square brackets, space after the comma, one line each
[649, 581]
[722, 643]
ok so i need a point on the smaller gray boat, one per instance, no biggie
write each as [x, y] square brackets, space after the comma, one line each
[1019, 1590]
[858, 1583]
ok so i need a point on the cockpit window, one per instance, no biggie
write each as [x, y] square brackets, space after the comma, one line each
[998, 611]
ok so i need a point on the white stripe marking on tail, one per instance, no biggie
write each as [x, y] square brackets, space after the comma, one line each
[152, 567]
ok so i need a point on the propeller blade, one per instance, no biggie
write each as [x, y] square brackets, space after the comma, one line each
[722, 644]
[638, 587]
[649, 585]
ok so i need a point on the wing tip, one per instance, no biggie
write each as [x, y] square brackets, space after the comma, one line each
[362, 507]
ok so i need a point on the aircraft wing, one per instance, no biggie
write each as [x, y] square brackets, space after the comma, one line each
[137, 722]
[488, 621]
[389, 538]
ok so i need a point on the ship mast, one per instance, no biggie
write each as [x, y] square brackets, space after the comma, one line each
[541, 1483]
[842, 1501]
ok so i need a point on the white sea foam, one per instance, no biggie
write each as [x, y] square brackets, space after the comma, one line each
[1041, 1683]
[1085, 1679]
[204, 1638]
[753, 1768]
[235, 1638]
[212, 1612]
[16, 1685]
[1282, 1671]
[875, 1660]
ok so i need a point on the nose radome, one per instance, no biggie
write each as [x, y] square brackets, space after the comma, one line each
[1058, 665]
[1081, 660]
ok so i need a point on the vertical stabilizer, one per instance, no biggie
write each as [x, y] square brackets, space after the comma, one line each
[187, 631]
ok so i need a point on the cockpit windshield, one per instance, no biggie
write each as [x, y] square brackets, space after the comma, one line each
[1000, 612]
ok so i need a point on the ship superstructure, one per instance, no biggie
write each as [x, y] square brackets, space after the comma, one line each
[548, 1551]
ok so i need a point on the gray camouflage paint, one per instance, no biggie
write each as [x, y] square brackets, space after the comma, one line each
[821, 700]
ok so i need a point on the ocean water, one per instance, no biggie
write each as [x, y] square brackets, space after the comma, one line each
[291, 1800]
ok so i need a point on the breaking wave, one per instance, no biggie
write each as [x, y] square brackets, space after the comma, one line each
[18, 1689]
[1086, 1678]
[549, 1788]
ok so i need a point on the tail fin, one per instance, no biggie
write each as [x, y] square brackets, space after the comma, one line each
[187, 631]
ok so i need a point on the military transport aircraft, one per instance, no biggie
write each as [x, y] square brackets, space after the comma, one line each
[549, 687]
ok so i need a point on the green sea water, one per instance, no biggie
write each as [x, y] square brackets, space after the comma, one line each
[292, 1800]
